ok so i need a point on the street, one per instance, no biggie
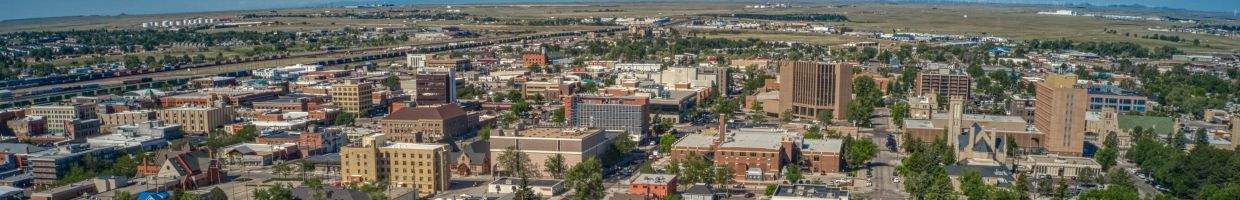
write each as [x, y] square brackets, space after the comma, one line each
[884, 165]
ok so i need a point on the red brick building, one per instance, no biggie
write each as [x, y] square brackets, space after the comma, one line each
[653, 186]
[534, 59]
[760, 154]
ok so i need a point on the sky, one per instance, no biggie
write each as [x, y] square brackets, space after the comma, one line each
[23, 9]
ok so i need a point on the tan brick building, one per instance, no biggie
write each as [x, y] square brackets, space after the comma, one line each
[112, 120]
[428, 123]
[575, 144]
[1059, 114]
[353, 97]
[57, 115]
[419, 166]
[197, 120]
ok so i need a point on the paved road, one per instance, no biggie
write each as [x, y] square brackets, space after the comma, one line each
[883, 166]
[1143, 188]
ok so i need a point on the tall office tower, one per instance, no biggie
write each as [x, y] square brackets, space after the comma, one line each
[809, 87]
[434, 85]
[352, 97]
[1059, 113]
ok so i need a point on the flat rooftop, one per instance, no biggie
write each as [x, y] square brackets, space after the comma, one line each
[420, 146]
[695, 140]
[811, 191]
[822, 145]
[1051, 159]
[532, 182]
[754, 138]
[569, 133]
[918, 123]
[653, 179]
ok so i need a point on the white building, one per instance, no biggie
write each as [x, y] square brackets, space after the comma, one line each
[416, 61]
[646, 67]
[542, 187]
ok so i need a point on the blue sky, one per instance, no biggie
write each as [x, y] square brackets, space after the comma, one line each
[22, 9]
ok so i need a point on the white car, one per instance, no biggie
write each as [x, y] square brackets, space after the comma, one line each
[895, 180]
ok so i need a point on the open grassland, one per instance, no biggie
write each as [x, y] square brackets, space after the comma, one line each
[1018, 22]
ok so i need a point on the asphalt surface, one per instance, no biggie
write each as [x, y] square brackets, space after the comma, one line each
[884, 165]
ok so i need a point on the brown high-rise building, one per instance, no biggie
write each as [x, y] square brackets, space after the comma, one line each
[352, 97]
[945, 83]
[433, 86]
[1059, 113]
[808, 87]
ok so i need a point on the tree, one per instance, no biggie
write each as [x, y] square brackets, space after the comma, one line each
[825, 116]
[859, 114]
[274, 192]
[523, 191]
[722, 175]
[1112, 140]
[393, 83]
[624, 143]
[558, 116]
[758, 115]
[217, 194]
[859, 152]
[484, 133]
[123, 195]
[282, 169]
[305, 167]
[793, 174]
[646, 169]
[1061, 192]
[187, 196]
[813, 133]
[785, 116]
[1022, 184]
[555, 166]
[344, 119]
[972, 186]
[665, 143]
[899, 111]
[515, 162]
[587, 179]
[1106, 157]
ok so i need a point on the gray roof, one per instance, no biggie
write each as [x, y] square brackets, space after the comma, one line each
[754, 138]
[699, 189]
[532, 182]
[822, 145]
[476, 150]
[812, 191]
[21, 148]
[329, 193]
[695, 140]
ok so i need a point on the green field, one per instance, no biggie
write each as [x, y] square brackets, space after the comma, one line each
[1017, 22]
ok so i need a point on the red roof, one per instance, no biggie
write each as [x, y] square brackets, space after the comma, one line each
[438, 112]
